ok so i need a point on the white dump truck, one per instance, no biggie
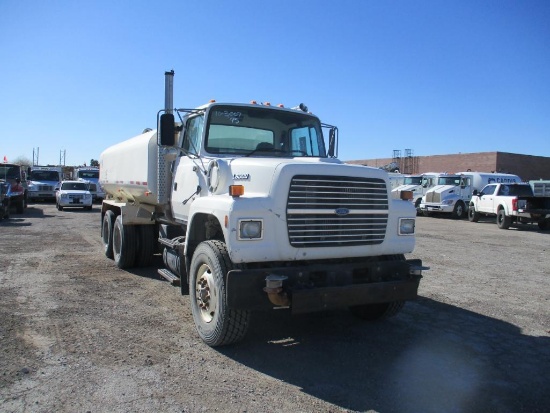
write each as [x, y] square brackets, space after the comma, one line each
[453, 192]
[418, 185]
[251, 212]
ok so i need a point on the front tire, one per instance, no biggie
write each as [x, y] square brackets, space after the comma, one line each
[473, 216]
[20, 207]
[503, 221]
[544, 224]
[459, 210]
[216, 324]
[124, 244]
[373, 312]
[379, 311]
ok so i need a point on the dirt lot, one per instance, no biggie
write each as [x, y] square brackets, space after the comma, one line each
[79, 335]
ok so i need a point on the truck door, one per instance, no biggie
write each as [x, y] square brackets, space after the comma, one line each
[188, 178]
[466, 189]
[486, 200]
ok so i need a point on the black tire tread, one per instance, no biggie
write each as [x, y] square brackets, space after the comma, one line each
[124, 258]
[145, 236]
[234, 324]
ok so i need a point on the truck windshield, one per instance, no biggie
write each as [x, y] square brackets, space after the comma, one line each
[412, 180]
[76, 186]
[88, 174]
[9, 172]
[449, 180]
[263, 131]
[44, 176]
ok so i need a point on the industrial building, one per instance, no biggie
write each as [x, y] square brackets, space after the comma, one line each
[527, 167]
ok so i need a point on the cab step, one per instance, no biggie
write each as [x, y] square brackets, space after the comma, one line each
[169, 276]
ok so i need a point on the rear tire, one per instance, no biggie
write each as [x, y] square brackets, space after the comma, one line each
[107, 233]
[124, 244]
[216, 324]
[145, 236]
[503, 221]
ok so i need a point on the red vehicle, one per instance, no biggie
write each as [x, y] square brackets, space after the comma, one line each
[4, 200]
[17, 178]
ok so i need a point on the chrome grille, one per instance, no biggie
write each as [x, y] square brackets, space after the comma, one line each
[433, 197]
[336, 211]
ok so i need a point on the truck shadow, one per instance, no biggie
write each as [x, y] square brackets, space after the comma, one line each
[432, 357]
[529, 227]
[14, 222]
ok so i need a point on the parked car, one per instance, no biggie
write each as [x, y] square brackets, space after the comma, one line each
[73, 194]
[4, 200]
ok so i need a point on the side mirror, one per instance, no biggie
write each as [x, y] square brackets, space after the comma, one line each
[167, 129]
[332, 143]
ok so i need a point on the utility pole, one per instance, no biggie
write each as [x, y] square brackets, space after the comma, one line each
[37, 153]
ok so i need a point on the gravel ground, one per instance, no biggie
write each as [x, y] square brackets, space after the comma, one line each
[79, 335]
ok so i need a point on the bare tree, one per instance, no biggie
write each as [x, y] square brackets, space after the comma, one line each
[22, 160]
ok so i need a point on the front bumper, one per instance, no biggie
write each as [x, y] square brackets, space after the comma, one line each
[41, 195]
[76, 203]
[437, 208]
[327, 286]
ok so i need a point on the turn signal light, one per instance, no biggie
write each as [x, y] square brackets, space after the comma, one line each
[406, 195]
[236, 190]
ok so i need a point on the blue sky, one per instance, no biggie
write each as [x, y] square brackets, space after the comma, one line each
[435, 77]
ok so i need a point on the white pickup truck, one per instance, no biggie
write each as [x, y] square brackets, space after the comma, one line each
[510, 203]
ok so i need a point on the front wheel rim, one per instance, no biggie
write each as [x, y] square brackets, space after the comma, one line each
[206, 293]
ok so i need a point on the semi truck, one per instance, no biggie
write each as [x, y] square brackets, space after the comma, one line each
[42, 182]
[252, 211]
[418, 185]
[453, 192]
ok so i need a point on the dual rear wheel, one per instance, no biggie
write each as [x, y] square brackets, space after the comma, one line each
[128, 245]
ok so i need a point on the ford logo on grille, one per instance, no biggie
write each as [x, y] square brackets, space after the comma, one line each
[341, 211]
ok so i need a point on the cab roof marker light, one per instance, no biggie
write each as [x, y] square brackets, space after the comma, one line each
[253, 102]
[280, 105]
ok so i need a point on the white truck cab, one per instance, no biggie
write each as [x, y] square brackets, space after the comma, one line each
[90, 174]
[453, 192]
[253, 211]
[42, 181]
[418, 185]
